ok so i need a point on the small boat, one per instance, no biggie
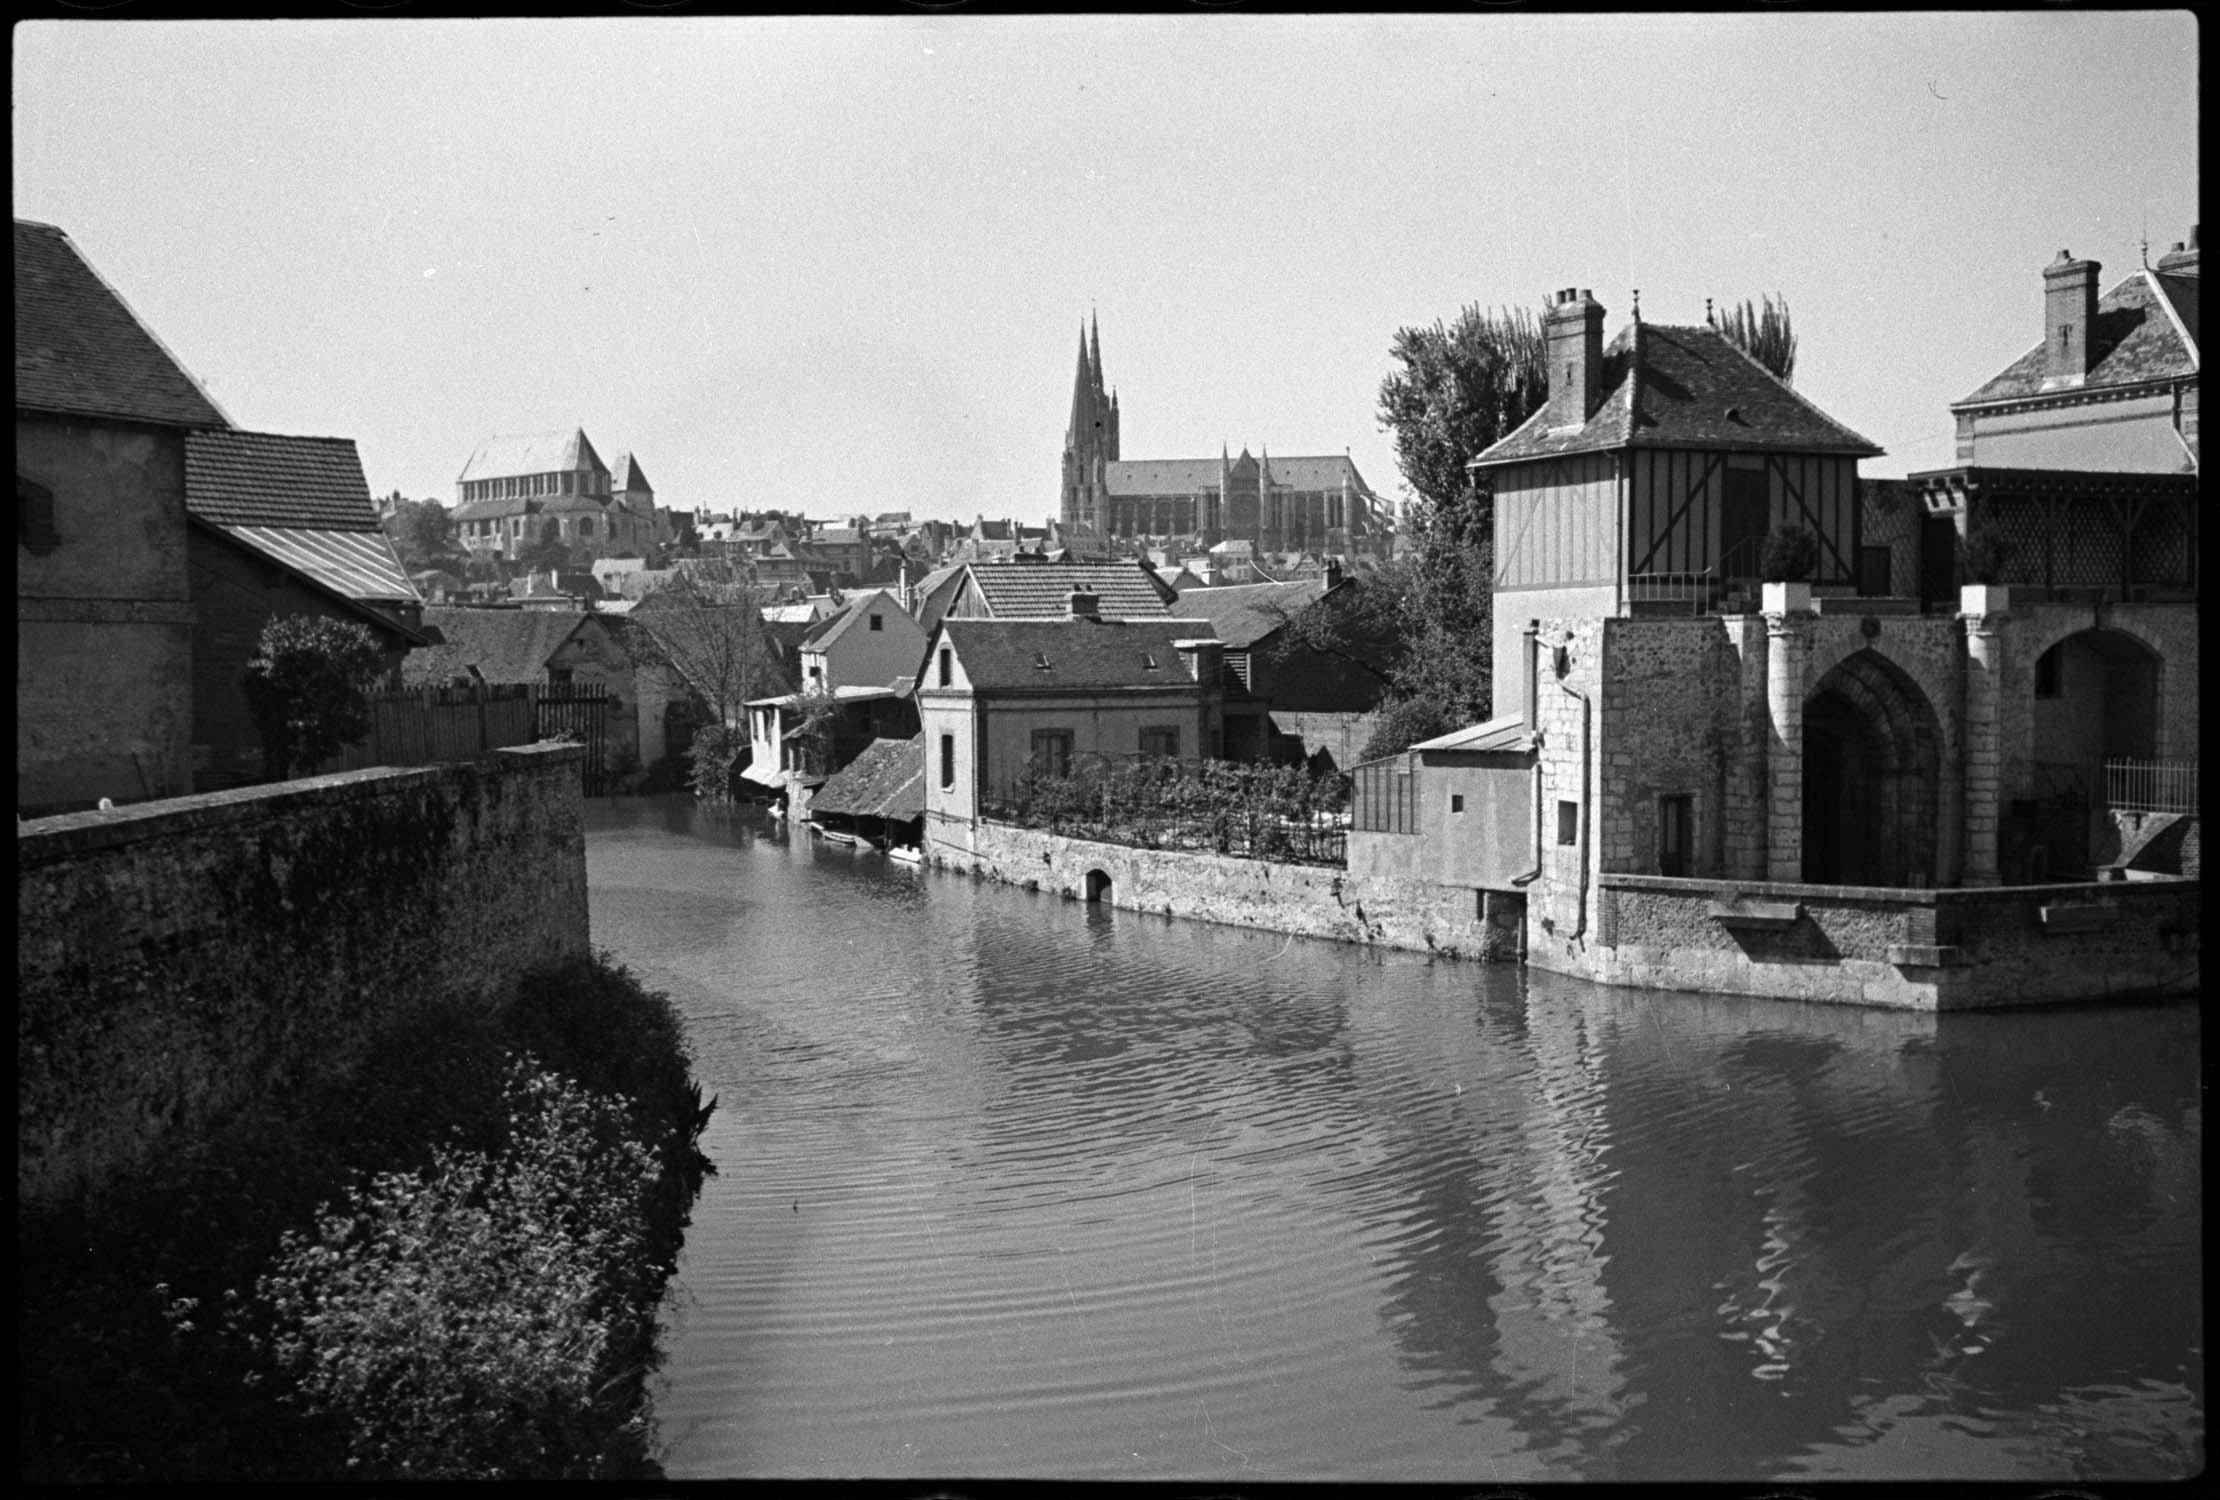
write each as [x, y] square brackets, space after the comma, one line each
[835, 837]
[903, 854]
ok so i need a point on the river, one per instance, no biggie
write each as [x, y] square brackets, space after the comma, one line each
[1010, 1186]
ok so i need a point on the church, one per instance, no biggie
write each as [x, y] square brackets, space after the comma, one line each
[1298, 504]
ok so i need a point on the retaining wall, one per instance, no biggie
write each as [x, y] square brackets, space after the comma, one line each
[177, 958]
[1307, 900]
[1961, 949]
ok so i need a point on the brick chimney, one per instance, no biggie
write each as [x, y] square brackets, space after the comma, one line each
[1573, 329]
[1083, 605]
[2069, 316]
[2182, 259]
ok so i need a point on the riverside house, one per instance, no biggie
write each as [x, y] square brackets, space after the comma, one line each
[1002, 699]
[104, 611]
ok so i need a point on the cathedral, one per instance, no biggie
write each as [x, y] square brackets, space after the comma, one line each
[1275, 504]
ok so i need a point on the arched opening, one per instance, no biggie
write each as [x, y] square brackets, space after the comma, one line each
[1098, 886]
[1872, 759]
[2095, 698]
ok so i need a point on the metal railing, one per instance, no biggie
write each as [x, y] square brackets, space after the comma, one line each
[2151, 785]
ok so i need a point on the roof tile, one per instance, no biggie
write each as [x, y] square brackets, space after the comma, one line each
[2136, 341]
[239, 478]
[80, 350]
[1081, 654]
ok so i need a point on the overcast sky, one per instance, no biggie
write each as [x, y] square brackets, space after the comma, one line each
[840, 265]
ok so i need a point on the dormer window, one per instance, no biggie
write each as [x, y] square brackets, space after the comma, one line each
[1040, 662]
[1148, 662]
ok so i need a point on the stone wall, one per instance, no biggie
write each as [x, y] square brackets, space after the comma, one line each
[1919, 950]
[178, 958]
[1307, 900]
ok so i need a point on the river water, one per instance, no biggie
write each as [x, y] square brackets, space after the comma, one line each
[1010, 1186]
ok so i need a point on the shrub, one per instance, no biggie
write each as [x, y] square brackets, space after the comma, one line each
[309, 689]
[713, 760]
[1790, 555]
[459, 1321]
[1983, 555]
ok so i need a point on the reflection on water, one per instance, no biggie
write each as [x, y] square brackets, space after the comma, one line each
[1012, 1186]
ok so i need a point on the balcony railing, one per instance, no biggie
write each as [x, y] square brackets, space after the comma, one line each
[2151, 785]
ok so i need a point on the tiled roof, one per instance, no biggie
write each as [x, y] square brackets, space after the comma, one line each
[886, 781]
[530, 453]
[505, 645]
[1244, 613]
[359, 564]
[494, 510]
[992, 531]
[81, 351]
[275, 479]
[1036, 591]
[1082, 655]
[837, 624]
[1666, 386]
[2135, 341]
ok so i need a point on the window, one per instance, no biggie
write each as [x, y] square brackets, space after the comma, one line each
[1052, 752]
[1237, 667]
[1161, 740]
[947, 761]
[947, 666]
[1457, 802]
[1675, 835]
[878, 622]
[1568, 822]
[34, 517]
[585, 525]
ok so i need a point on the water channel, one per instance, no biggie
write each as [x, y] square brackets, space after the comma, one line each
[1010, 1186]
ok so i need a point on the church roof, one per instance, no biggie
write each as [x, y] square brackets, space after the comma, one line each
[531, 453]
[2146, 330]
[625, 473]
[1191, 476]
[81, 351]
[1666, 386]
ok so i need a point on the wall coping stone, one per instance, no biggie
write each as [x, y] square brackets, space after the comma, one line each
[1708, 886]
[40, 841]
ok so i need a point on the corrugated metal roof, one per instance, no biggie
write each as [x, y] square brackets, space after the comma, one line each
[1505, 734]
[81, 351]
[277, 479]
[360, 564]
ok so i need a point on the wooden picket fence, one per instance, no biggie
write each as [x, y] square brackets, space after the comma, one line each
[427, 725]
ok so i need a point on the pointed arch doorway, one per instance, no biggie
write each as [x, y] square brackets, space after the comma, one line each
[1872, 777]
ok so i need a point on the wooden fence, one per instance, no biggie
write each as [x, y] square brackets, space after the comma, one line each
[424, 726]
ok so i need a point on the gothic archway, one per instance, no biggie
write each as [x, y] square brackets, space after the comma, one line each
[1872, 768]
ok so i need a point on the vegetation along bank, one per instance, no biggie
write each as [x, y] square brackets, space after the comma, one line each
[446, 1264]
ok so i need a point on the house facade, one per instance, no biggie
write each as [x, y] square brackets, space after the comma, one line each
[104, 608]
[1307, 503]
[280, 525]
[1001, 699]
[869, 642]
[1695, 780]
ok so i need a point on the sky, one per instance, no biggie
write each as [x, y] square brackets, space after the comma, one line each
[838, 265]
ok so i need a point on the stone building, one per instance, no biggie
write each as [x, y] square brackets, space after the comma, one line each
[104, 610]
[1298, 504]
[1690, 786]
[521, 488]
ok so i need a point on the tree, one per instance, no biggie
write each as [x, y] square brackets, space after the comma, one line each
[424, 534]
[1462, 388]
[1766, 336]
[309, 690]
[546, 553]
[710, 637]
